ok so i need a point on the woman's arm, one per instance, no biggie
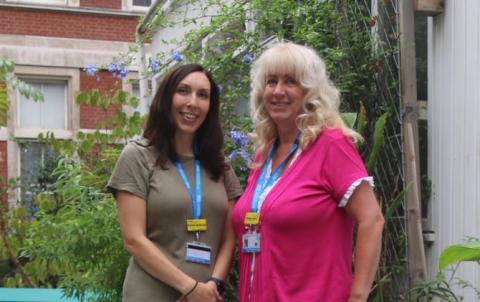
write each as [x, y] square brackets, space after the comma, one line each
[225, 253]
[132, 216]
[364, 208]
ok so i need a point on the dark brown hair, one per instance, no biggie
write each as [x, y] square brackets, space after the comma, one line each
[160, 128]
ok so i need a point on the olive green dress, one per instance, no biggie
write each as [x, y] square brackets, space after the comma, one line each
[168, 207]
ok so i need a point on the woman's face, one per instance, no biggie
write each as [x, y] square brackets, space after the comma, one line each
[283, 97]
[190, 103]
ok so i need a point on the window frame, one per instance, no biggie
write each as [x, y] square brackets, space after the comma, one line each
[128, 6]
[42, 81]
[68, 3]
[72, 76]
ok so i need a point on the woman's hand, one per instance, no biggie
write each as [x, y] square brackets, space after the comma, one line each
[204, 292]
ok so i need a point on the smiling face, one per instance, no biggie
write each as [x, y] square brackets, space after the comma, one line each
[283, 97]
[190, 104]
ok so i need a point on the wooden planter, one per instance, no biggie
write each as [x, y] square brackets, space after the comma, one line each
[429, 7]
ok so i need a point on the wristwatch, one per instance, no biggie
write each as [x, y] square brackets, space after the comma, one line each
[220, 285]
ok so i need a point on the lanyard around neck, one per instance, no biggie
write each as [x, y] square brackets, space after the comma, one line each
[264, 183]
[196, 196]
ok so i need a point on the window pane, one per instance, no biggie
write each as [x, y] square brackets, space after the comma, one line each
[37, 162]
[49, 113]
[54, 106]
[142, 2]
[30, 111]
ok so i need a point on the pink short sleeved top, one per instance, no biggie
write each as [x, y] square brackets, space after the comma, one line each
[306, 238]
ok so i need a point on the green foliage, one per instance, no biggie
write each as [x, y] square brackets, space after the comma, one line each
[467, 251]
[378, 138]
[446, 281]
[75, 227]
[6, 69]
[74, 241]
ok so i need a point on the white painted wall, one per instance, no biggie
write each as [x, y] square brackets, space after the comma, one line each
[165, 39]
[454, 131]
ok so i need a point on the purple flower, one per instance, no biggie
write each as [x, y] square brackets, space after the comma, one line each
[118, 70]
[177, 57]
[239, 138]
[247, 58]
[154, 65]
[242, 153]
[123, 72]
[233, 155]
[245, 155]
[90, 70]
[114, 67]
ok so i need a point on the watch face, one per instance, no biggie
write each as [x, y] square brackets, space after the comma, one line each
[220, 285]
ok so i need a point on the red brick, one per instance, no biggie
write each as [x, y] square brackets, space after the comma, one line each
[105, 83]
[67, 25]
[112, 4]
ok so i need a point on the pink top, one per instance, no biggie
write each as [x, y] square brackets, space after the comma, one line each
[306, 238]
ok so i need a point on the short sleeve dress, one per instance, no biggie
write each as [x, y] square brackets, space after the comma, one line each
[168, 208]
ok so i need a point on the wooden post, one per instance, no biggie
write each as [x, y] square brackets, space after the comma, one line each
[429, 7]
[408, 90]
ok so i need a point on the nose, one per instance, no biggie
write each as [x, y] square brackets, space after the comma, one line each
[192, 100]
[279, 89]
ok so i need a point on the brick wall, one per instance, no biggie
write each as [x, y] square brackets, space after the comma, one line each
[67, 25]
[90, 116]
[112, 4]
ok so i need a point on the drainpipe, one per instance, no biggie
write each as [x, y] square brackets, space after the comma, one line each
[142, 61]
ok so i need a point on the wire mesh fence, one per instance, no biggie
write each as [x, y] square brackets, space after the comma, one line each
[392, 282]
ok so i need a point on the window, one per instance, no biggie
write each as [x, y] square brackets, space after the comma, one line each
[72, 3]
[37, 161]
[136, 5]
[29, 159]
[145, 3]
[49, 114]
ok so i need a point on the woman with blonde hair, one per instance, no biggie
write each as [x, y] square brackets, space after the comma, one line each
[307, 190]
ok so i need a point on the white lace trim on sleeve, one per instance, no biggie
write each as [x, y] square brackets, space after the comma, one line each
[352, 188]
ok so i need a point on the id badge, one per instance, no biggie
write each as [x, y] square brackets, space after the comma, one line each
[196, 225]
[198, 252]
[251, 218]
[251, 243]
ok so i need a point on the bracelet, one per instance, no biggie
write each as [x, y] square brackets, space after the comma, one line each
[191, 291]
[219, 284]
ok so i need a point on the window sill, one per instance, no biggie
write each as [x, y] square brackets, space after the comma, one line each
[32, 133]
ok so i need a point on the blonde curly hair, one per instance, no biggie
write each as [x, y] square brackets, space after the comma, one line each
[320, 104]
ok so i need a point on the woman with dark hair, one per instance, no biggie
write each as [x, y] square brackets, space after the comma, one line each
[175, 193]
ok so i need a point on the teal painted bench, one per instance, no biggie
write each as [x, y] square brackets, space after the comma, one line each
[33, 295]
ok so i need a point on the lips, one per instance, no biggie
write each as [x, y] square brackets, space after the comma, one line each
[189, 116]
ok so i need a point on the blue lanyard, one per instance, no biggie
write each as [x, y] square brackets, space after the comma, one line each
[196, 196]
[262, 184]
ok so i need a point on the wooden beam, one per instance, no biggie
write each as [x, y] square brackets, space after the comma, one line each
[408, 90]
[429, 7]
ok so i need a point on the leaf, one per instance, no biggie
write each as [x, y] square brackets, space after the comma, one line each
[349, 118]
[397, 202]
[378, 138]
[468, 251]
[361, 119]
[4, 105]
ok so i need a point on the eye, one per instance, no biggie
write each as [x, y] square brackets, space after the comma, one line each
[291, 81]
[204, 95]
[271, 81]
[183, 90]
